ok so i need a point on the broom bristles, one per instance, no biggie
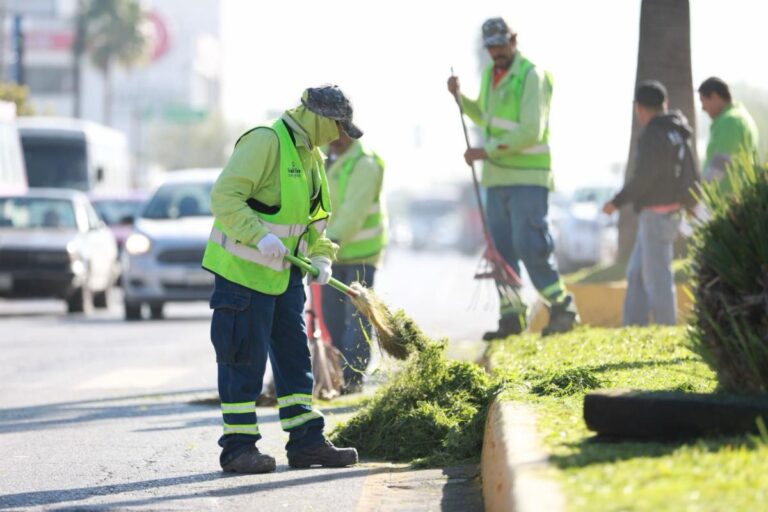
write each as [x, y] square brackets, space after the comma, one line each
[382, 320]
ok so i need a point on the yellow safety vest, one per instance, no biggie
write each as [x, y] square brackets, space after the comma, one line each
[243, 263]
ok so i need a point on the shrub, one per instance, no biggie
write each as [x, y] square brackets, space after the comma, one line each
[730, 265]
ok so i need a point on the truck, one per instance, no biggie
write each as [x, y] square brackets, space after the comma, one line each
[63, 152]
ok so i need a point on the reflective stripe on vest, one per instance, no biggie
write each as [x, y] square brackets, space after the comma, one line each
[244, 264]
[365, 234]
[252, 254]
[502, 114]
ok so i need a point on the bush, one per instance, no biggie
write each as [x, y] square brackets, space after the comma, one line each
[730, 266]
[16, 94]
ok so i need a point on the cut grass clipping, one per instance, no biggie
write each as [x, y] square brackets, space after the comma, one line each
[388, 332]
[430, 413]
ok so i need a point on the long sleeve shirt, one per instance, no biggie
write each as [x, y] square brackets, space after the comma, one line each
[362, 191]
[534, 119]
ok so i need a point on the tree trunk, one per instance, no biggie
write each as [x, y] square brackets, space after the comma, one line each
[664, 54]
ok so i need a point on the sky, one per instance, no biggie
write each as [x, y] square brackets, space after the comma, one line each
[393, 58]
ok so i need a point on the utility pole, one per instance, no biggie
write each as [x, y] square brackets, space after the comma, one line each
[78, 48]
[3, 10]
[18, 49]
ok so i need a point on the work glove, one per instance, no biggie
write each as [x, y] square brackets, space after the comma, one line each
[323, 264]
[271, 246]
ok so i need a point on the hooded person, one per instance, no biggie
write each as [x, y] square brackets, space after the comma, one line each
[654, 190]
[272, 199]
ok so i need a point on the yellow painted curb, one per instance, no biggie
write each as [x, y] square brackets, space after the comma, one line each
[512, 464]
[600, 305]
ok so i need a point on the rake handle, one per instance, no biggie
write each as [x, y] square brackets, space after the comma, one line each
[306, 266]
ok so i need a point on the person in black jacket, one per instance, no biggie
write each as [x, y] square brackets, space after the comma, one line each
[654, 192]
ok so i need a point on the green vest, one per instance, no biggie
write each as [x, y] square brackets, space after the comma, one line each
[244, 264]
[372, 237]
[502, 113]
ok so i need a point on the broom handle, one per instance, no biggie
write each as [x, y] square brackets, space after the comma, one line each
[306, 266]
[486, 231]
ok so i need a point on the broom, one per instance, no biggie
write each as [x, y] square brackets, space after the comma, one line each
[369, 305]
[492, 264]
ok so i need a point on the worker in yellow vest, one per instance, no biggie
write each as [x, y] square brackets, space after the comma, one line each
[358, 226]
[513, 111]
[272, 199]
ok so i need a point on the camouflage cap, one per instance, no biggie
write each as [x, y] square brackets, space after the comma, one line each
[496, 32]
[329, 101]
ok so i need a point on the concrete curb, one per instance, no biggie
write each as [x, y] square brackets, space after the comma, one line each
[513, 464]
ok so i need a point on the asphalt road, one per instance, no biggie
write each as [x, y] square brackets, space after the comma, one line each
[100, 414]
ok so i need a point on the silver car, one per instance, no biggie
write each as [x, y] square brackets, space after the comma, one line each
[53, 244]
[162, 256]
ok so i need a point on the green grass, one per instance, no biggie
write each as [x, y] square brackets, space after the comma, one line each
[553, 374]
[616, 272]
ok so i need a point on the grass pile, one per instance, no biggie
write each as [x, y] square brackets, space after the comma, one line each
[432, 412]
[730, 264]
[553, 375]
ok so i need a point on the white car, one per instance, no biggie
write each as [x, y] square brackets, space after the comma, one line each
[53, 244]
[584, 236]
[162, 256]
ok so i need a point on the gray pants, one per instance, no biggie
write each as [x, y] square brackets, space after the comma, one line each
[650, 283]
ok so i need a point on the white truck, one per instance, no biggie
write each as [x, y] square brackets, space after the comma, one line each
[63, 152]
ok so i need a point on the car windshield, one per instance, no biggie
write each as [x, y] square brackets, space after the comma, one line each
[177, 200]
[113, 211]
[37, 213]
[58, 163]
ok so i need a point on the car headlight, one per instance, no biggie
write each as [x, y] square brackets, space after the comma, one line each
[138, 244]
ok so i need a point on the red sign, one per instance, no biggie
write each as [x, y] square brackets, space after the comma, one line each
[159, 38]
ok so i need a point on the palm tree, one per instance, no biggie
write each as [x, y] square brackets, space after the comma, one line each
[664, 54]
[111, 32]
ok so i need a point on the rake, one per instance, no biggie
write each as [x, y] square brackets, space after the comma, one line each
[492, 264]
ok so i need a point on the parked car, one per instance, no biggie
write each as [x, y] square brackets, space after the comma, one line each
[162, 256]
[119, 212]
[584, 236]
[447, 218]
[53, 244]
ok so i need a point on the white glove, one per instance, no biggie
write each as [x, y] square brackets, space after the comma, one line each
[323, 264]
[272, 246]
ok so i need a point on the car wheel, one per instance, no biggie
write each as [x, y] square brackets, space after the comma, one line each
[101, 299]
[156, 311]
[81, 301]
[132, 310]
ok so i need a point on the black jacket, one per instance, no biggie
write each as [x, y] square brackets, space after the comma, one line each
[653, 181]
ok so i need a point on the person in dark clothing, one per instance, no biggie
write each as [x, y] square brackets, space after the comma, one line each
[654, 191]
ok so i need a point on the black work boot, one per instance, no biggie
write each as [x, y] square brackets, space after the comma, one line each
[562, 317]
[250, 460]
[508, 325]
[324, 454]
